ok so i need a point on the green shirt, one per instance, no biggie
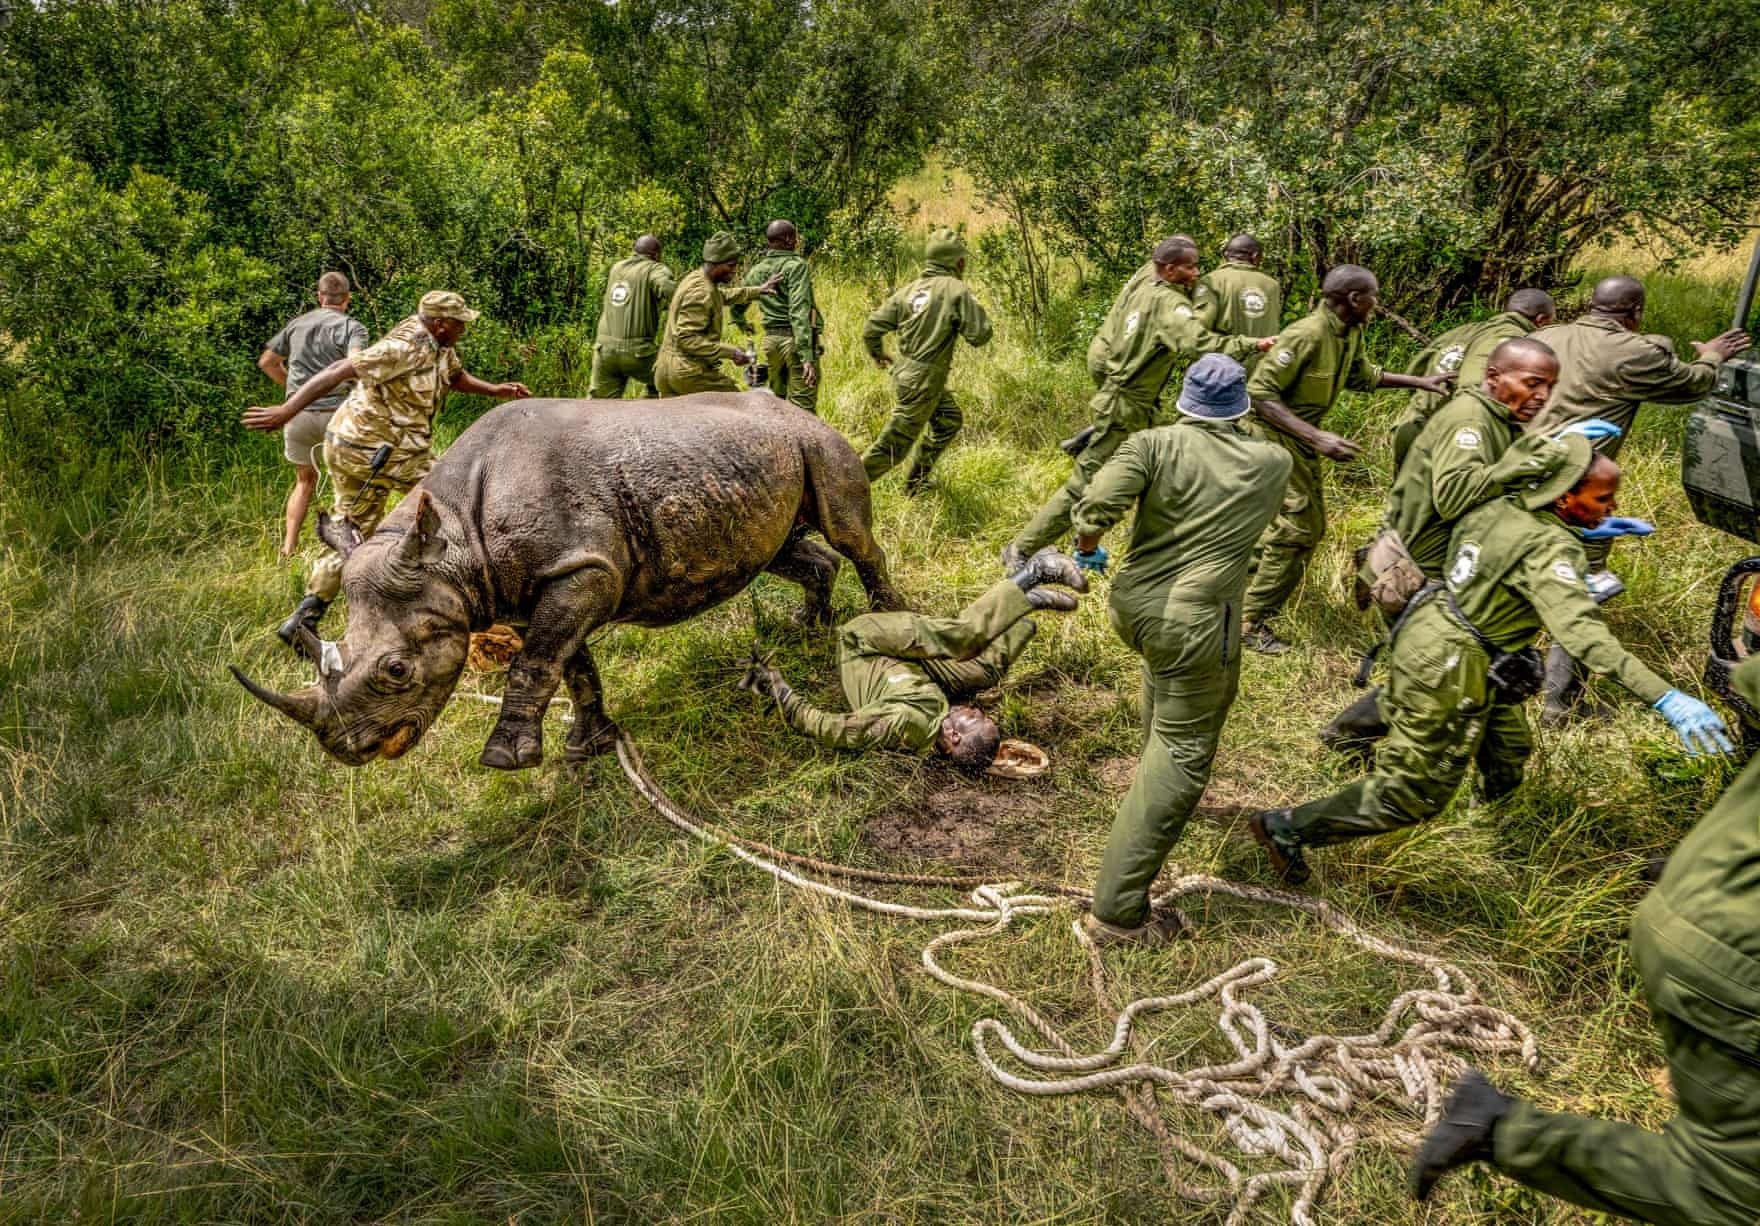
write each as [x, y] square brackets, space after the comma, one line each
[1240, 300]
[636, 293]
[928, 314]
[1452, 468]
[1315, 359]
[791, 311]
[1605, 371]
[1203, 492]
[1516, 572]
[1464, 353]
[1100, 348]
[697, 319]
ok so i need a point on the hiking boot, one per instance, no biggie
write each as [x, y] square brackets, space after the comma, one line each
[1260, 637]
[1285, 852]
[1160, 928]
[1564, 688]
[1053, 598]
[1077, 443]
[305, 616]
[1462, 1135]
[1355, 729]
[1012, 558]
[1050, 565]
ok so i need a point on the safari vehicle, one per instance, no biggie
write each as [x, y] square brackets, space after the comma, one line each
[1720, 467]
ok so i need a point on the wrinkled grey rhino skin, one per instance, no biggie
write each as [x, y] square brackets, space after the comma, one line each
[563, 516]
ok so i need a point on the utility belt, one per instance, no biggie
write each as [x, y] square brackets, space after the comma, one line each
[1514, 675]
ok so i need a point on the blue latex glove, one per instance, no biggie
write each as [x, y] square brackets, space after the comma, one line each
[1700, 728]
[1094, 559]
[1592, 428]
[1618, 525]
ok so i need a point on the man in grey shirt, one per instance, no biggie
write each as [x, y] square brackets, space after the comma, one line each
[305, 346]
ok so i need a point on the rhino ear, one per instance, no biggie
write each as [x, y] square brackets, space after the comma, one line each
[422, 543]
[339, 532]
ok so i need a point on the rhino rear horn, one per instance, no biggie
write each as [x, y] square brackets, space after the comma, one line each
[301, 707]
[422, 543]
[339, 532]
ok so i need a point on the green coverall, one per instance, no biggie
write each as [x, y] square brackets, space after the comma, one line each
[1100, 348]
[1158, 331]
[1236, 299]
[928, 314]
[1203, 491]
[1463, 352]
[1514, 572]
[791, 325]
[899, 670]
[1314, 360]
[690, 356]
[636, 293]
[1696, 945]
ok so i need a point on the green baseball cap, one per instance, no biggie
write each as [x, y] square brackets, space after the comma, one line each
[444, 304]
[1561, 476]
[720, 248]
[945, 246]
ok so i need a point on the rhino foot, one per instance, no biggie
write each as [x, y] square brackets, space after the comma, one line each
[512, 751]
[812, 615]
[590, 739]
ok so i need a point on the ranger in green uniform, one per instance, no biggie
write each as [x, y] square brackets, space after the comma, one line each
[1607, 368]
[1315, 359]
[691, 355]
[400, 382]
[1696, 946]
[1158, 332]
[1237, 299]
[791, 318]
[1461, 650]
[1462, 352]
[929, 314]
[637, 292]
[1202, 489]
[900, 669]
[1100, 348]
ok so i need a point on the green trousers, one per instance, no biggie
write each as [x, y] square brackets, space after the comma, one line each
[990, 633]
[674, 376]
[1191, 668]
[1116, 418]
[358, 499]
[1291, 539]
[616, 366]
[924, 409]
[1441, 721]
[788, 378]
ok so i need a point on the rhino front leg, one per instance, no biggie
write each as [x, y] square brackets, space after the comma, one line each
[814, 567]
[593, 732]
[567, 610]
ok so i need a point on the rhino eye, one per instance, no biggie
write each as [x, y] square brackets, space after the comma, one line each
[397, 669]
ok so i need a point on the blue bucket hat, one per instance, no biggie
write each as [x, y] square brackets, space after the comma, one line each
[1215, 389]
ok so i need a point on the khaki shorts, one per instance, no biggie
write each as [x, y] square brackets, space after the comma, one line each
[302, 439]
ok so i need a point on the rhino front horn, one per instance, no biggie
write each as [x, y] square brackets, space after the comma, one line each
[302, 707]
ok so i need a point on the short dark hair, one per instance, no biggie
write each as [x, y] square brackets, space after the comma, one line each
[1519, 348]
[332, 287]
[1243, 246]
[1348, 279]
[1532, 303]
[977, 750]
[1174, 247]
[1618, 296]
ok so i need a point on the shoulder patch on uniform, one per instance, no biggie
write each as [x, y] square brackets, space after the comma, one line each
[1564, 572]
[1285, 357]
[1467, 438]
[620, 293]
[919, 300]
[1252, 302]
[1466, 565]
[1182, 309]
[1449, 360]
[1131, 321]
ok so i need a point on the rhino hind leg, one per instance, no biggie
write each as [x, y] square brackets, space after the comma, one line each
[593, 732]
[840, 506]
[814, 567]
[567, 610]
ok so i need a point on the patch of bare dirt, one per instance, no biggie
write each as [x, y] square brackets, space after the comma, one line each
[1116, 773]
[976, 824]
[1233, 790]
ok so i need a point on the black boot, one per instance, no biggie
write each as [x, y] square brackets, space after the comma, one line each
[1564, 688]
[307, 615]
[1462, 1135]
[1012, 558]
[1285, 852]
[1355, 729]
[1050, 565]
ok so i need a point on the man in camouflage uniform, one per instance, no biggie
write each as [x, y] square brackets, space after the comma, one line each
[1157, 333]
[929, 315]
[900, 669]
[1237, 299]
[400, 383]
[1462, 352]
[691, 355]
[1607, 368]
[1293, 389]
[637, 292]
[1201, 491]
[1696, 947]
[1517, 568]
[790, 316]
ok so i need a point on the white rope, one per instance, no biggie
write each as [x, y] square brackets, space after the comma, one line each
[1279, 1101]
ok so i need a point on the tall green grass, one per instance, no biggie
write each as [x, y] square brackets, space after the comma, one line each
[244, 983]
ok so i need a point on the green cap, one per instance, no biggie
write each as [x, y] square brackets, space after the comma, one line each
[945, 246]
[444, 304]
[1561, 476]
[720, 248]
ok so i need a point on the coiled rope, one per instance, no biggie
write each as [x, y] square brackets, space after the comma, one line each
[1279, 1100]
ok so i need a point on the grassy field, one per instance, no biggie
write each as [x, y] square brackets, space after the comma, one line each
[244, 983]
